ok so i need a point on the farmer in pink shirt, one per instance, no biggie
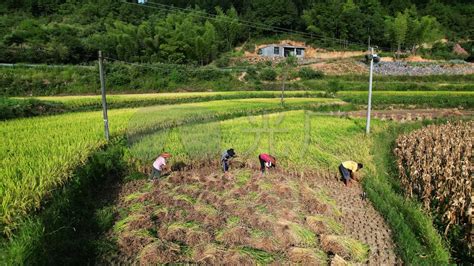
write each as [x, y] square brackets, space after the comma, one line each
[266, 161]
[158, 165]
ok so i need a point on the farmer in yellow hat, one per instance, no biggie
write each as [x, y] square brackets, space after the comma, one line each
[348, 170]
[158, 165]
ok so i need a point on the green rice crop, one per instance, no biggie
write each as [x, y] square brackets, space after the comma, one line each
[38, 155]
[135, 100]
[261, 257]
[150, 119]
[444, 99]
[298, 139]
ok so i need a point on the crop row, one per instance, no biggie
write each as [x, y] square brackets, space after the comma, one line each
[440, 99]
[16, 107]
[38, 154]
[299, 139]
[135, 100]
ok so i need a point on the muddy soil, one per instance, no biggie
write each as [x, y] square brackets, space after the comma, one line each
[362, 221]
[200, 216]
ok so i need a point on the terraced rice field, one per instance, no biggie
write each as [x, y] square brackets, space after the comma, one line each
[38, 154]
[298, 213]
[163, 223]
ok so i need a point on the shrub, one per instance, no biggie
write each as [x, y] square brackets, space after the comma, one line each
[249, 47]
[209, 74]
[251, 73]
[14, 108]
[223, 61]
[332, 88]
[309, 73]
[268, 74]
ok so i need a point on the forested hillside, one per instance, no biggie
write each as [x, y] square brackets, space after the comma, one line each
[72, 31]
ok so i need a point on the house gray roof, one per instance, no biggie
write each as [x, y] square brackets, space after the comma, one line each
[286, 46]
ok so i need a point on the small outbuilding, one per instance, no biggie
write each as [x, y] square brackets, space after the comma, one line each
[281, 50]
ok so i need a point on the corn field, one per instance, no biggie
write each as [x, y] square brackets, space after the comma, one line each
[434, 166]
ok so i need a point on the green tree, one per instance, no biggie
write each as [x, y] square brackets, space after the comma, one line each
[396, 29]
[373, 20]
[274, 13]
[206, 45]
[423, 30]
[323, 18]
[352, 19]
[228, 27]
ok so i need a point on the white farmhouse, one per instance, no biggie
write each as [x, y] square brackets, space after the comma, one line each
[281, 50]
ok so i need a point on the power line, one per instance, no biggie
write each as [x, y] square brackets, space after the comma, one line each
[244, 22]
[255, 25]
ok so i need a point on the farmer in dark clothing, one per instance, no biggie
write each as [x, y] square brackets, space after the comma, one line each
[266, 161]
[348, 170]
[229, 154]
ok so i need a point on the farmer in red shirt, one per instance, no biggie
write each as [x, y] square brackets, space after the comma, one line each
[266, 161]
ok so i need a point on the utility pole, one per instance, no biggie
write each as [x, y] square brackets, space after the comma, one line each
[369, 106]
[283, 86]
[104, 101]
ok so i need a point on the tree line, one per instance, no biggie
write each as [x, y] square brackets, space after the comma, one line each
[72, 31]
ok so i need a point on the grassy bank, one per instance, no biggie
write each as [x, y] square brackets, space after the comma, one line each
[419, 99]
[17, 107]
[88, 102]
[76, 80]
[46, 105]
[385, 83]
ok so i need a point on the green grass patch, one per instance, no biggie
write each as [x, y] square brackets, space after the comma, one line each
[258, 255]
[185, 197]
[358, 251]
[189, 225]
[242, 177]
[440, 99]
[122, 224]
[329, 222]
[306, 237]
[323, 197]
[233, 221]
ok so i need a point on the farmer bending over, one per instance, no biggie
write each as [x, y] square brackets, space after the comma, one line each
[348, 170]
[229, 154]
[158, 165]
[266, 161]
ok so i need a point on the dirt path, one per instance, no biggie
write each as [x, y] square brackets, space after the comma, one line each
[362, 221]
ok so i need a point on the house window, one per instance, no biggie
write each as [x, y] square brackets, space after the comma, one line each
[276, 50]
[299, 51]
